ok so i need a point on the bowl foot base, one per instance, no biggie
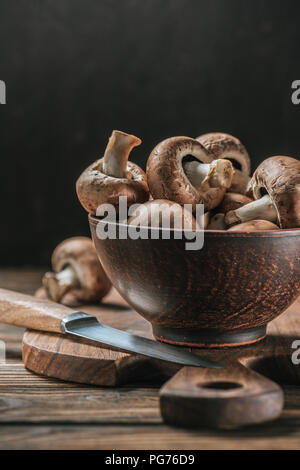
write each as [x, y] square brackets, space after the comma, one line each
[206, 338]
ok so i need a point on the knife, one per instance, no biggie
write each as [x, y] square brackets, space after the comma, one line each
[43, 315]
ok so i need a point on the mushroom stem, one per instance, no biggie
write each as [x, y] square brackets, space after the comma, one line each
[262, 208]
[216, 174]
[117, 153]
[58, 284]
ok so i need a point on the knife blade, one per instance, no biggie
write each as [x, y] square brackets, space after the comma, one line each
[43, 315]
[87, 326]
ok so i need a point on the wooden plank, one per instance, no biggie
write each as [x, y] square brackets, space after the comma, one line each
[283, 434]
[12, 338]
[29, 398]
[25, 280]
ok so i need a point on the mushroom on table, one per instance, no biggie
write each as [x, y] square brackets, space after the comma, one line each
[113, 176]
[180, 169]
[77, 276]
[275, 186]
[222, 145]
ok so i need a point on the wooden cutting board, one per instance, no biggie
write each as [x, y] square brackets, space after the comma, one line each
[243, 393]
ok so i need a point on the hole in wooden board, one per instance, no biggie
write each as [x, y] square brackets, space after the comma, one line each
[220, 385]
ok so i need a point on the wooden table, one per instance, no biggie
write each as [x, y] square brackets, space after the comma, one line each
[41, 413]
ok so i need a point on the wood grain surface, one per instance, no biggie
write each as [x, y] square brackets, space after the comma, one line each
[42, 413]
[26, 311]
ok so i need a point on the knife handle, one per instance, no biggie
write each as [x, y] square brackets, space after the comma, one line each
[29, 312]
[220, 398]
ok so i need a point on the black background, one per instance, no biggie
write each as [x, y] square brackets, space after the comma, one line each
[76, 69]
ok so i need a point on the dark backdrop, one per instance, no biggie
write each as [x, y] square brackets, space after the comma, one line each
[76, 69]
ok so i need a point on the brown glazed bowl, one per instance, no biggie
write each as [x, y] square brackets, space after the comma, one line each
[221, 295]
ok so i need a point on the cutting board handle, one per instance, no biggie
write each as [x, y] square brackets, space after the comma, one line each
[30, 312]
[220, 398]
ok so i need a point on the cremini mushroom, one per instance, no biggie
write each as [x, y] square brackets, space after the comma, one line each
[163, 213]
[77, 276]
[253, 226]
[222, 145]
[276, 188]
[217, 222]
[180, 169]
[232, 201]
[113, 176]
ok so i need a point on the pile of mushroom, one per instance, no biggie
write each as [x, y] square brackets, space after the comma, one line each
[213, 170]
[77, 277]
[275, 186]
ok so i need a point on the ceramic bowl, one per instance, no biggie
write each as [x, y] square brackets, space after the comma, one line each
[221, 295]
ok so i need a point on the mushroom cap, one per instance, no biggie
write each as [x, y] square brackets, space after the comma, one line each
[253, 226]
[94, 188]
[80, 254]
[280, 177]
[226, 146]
[233, 201]
[223, 145]
[157, 209]
[167, 178]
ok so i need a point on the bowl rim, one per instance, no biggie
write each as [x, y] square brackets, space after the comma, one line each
[290, 232]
